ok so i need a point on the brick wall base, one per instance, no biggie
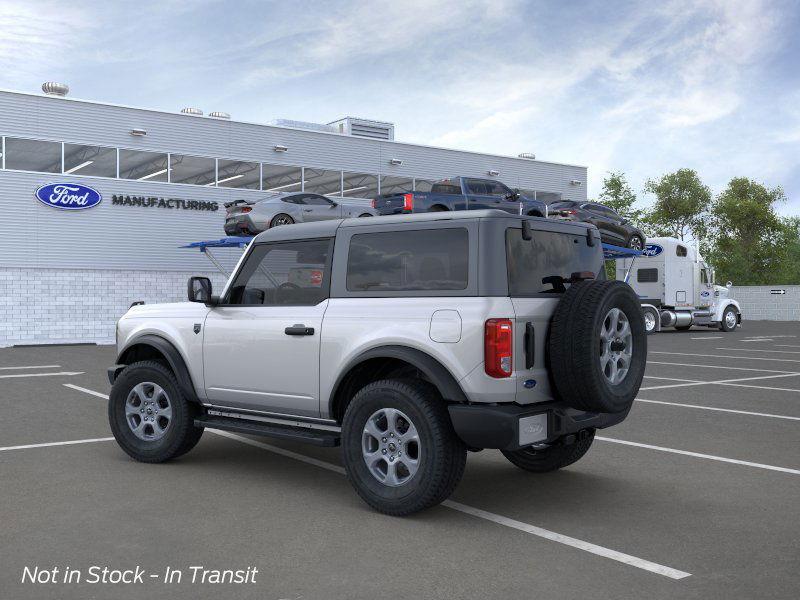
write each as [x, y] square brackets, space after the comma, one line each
[66, 306]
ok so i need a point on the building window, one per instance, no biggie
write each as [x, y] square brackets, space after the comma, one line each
[33, 155]
[360, 185]
[280, 178]
[423, 185]
[144, 166]
[396, 185]
[321, 181]
[194, 170]
[237, 174]
[96, 161]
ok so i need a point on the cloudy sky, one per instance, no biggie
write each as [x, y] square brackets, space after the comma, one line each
[641, 87]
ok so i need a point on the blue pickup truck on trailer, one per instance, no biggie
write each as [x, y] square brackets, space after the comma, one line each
[461, 193]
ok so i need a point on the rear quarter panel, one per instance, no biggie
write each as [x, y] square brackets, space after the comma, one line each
[353, 326]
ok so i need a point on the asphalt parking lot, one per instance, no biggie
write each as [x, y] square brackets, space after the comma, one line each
[695, 495]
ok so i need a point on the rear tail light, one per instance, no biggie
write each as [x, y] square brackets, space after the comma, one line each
[408, 202]
[569, 212]
[246, 209]
[498, 349]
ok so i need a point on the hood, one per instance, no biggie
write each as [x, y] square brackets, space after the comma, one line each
[170, 309]
[720, 291]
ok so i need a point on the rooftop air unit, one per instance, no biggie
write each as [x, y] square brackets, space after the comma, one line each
[377, 130]
[192, 111]
[303, 125]
[219, 115]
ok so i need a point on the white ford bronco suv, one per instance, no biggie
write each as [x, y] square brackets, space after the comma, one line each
[408, 340]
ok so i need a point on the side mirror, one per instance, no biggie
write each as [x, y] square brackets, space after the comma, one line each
[334, 204]
[199, 289]
[729, 285]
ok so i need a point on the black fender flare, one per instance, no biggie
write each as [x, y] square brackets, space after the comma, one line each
[436, 373]
[168, 350]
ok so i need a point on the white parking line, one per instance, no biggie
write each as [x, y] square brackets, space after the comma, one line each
[758, 350]
[760, 387]
[634, 561]
[656, 362]
[86, 391]
[17, 375]
[758, 340]
[569, 541]
[49, 444]
[787, 346]
[700, 455]
[31, 367]
[671, 379]
[727, 410]
[708, 337]
[717, 382]
[723, 356]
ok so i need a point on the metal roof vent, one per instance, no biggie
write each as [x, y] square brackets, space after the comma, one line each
[377, 130]
[303, 125]
[192, 111]
[219, 115]
[527, 155]
[51, 88]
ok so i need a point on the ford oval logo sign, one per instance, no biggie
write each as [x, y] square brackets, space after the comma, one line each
[652, 250]
[68, 196]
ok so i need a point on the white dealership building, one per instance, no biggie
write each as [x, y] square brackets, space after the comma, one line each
[161, 179]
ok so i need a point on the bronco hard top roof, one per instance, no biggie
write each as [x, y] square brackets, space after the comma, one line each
[328, 228]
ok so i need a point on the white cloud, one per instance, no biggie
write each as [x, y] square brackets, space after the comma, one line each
[35, 38]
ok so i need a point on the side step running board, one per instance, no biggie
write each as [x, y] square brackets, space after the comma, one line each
[314, 437]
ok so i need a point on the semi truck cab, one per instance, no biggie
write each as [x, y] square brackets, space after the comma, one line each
[677, 288]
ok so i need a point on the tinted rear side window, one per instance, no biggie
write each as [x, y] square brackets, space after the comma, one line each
[647, 275]
[541, 265]
[446, 187]
[433, 259]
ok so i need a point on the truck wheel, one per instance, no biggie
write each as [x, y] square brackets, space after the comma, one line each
[635, 243]
[729, 321]
[149, 416]
[598, 346]
[550, 459]
[400, 451]
[651, 317]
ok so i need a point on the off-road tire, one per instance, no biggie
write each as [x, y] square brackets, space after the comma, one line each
[442, 454]
[574, 347]
[181, 435]
[550, 459]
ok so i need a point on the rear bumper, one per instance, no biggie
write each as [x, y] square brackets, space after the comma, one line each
[511, 427]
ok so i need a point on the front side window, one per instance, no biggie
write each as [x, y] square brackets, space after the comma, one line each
[315, 200]
[495, 188]
[681, 251]
[544, 264]
[284, 274]
[33, 155]
[431, 259]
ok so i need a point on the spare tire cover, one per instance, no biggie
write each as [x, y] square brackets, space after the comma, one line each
[598, 346]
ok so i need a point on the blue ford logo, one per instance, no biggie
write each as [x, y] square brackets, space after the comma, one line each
[705, 293]
[68, 196]
[652, 250]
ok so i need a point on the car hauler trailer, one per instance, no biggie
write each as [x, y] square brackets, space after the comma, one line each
[677, 288]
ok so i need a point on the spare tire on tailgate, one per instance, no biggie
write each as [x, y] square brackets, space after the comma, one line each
[598, 346]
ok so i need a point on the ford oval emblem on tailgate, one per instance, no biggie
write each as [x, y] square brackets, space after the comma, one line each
[68, 196]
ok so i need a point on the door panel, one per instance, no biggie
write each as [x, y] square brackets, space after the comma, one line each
[250, 362]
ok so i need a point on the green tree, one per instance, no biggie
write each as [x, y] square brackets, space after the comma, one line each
[750, 242]
[680, 207]
[617, 194]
